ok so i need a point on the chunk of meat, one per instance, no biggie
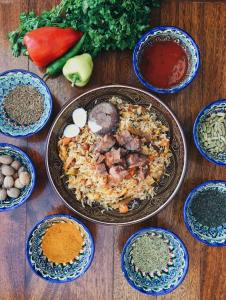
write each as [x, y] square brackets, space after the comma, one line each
[115, 156]
[142, 172]
[136, 160]
[100, 158]
[110, 157]
[101, 169]
[118, 173]
[123, 151]
[105, 144]
[126, 140]
[103, 118]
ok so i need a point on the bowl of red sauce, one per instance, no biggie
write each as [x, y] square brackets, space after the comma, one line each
[166, 59]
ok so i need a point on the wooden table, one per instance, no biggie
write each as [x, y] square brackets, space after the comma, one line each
[206, 279]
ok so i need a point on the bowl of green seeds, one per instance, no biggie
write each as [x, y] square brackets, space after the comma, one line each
[25, 103]
[209, 132]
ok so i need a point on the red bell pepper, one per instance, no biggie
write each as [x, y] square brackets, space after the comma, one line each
[46, 44]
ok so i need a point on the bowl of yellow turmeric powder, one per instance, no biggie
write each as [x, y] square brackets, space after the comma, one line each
[60, 248]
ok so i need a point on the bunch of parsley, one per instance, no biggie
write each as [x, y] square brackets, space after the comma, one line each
[109, 24]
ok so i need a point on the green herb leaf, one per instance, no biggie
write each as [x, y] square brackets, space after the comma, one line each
[109, 24]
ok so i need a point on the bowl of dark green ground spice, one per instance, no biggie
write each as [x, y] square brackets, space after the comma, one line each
[209, 132]
[25, 103]
[205, 213]
[154, 261]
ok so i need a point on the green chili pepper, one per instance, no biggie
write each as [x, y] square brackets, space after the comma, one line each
[56, 67]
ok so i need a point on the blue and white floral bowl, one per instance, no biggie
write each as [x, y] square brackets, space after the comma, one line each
[211, 236]
[17, 154]
[166, 281]
[8, 81]
[58, 273]
[168, 33]
[216, 106]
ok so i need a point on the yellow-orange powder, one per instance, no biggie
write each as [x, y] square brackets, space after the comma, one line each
[62, 242]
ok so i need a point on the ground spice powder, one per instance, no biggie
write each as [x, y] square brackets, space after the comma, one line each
[62, 242]
[150, 254]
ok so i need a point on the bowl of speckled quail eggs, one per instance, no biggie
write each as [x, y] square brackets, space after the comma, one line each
[17, 177]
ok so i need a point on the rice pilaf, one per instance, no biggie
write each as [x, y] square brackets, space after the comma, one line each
[79, 159]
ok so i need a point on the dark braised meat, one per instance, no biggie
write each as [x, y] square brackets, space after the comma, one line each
[115, 156]
[128, 141]
[136, 160]
[105, 144]
[118, 173]
[100, 158]
[101, 169]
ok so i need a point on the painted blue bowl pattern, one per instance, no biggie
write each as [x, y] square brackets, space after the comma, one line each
[211, 236]
[168, 33]
[52, 272]
[216, 106]
[8, 81]
[161, 283]
[18, 154]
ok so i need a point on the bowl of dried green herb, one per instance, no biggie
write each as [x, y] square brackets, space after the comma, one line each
[154, 261]
[209, 132]
[25, 103]
[205, 213]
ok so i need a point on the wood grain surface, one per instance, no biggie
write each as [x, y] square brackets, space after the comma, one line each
[206, 279]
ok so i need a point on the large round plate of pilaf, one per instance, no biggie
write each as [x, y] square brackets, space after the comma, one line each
[131, 179]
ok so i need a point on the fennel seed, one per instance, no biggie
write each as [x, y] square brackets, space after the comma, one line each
[24, 105]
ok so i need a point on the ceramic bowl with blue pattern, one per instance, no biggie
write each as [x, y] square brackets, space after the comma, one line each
[210, 236]
[17, 154]
[163, 281]
[168, 33]
[58, 273]
[214, 107]
[10, 80]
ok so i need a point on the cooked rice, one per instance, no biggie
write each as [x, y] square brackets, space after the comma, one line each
[79, 161]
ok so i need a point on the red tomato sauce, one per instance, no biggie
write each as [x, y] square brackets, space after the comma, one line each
[164, 64]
